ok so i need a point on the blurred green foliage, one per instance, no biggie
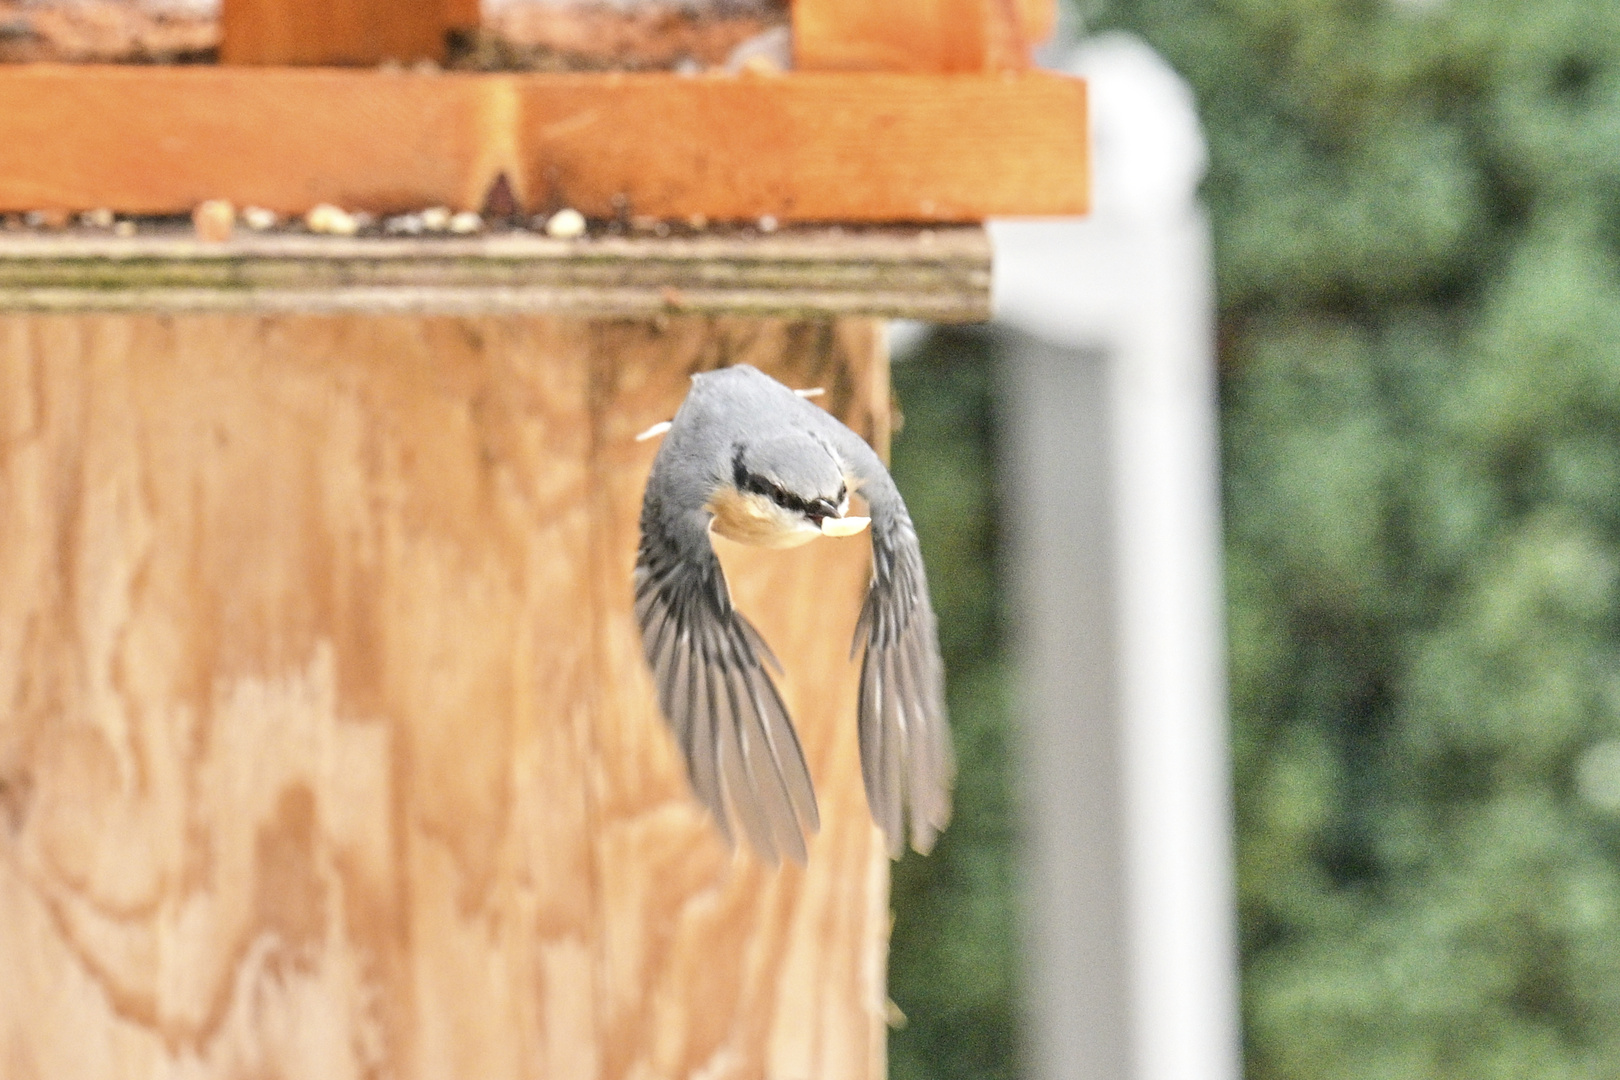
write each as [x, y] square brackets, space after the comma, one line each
[953, 956]
[1416, 207]
[1417, 217]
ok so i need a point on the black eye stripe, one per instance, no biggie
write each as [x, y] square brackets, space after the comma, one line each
[779, 496]
[759, 485]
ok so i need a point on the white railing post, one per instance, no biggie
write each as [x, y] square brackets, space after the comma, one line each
[1109, 411]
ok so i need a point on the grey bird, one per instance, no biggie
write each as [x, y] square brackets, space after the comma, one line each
[753, 461]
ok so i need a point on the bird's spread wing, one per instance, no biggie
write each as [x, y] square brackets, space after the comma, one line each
[906, 756]
[742, 754]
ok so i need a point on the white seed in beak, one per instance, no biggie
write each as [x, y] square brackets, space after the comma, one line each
[845, 526]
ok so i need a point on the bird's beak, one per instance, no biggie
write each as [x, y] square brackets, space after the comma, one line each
[843, 526]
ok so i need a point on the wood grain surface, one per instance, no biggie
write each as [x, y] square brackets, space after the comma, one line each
[804, 147]
[326, 747]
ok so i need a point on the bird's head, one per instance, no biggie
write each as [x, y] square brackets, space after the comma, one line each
[784, 490]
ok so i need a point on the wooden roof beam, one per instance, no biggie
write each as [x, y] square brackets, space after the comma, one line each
[803, 147]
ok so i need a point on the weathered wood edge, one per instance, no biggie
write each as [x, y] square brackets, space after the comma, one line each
[936, 273]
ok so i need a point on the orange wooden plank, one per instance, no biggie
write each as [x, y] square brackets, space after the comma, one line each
[1036, 19]
[462, 14]
[341, 32]
[160, 140]
[918, 35]
[832, 147]
[812, 147]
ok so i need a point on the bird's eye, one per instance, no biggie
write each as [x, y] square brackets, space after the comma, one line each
[786, 499]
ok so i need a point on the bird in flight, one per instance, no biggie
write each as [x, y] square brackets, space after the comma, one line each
[753, 461]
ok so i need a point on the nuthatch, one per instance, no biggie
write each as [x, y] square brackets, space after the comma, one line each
[750, 459]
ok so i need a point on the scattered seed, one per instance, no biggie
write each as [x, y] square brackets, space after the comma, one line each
[404, 225]
[45, 219]
[99, 218]
[566, 224]
[761, 64]
[259, 219]
[767, 224]
[767, 53]
[436, 218]
[125, 229]
[329, 219]
[465, 223]
[213, 220]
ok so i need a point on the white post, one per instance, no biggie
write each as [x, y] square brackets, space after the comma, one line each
[1113, 504]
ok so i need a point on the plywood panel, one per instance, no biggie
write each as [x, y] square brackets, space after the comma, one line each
[326, 748]
[808, 147]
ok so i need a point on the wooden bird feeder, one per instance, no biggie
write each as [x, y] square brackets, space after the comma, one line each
[327, 748]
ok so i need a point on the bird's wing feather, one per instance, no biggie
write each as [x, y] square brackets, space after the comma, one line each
[906, 756]
[742, 755]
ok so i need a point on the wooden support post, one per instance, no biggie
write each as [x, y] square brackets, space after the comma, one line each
[462, 14]
[956, 36]
[338, 32]
[327, 749]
